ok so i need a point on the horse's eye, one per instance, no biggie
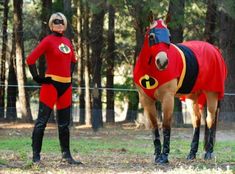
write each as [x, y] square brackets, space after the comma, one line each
[151, 36]
[152, 39]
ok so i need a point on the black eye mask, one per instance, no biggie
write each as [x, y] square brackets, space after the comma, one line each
[58, 21]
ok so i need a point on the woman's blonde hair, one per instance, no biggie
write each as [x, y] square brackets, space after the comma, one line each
[56, 16]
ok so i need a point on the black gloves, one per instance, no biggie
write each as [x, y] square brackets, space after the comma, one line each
[39, 80]
[72, 67]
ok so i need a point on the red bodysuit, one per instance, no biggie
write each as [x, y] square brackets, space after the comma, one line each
[59, 54]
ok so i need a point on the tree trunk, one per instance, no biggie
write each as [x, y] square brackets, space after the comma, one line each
[3, 59]
[68, 13]
[110, 113]
[45, 15]
[87, 95]
[11, 113]
[86, 48]
[210, 24]
[20, 63]
[133, 98]
[96, 40]
[176, 21]
[227, 45]
[81, 64]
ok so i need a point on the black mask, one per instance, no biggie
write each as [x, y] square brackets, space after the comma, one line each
[58, 21]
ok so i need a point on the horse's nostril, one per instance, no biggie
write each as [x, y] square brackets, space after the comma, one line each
[165, 63]
[158, 62]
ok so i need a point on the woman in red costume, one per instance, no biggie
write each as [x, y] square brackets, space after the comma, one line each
[56, 86]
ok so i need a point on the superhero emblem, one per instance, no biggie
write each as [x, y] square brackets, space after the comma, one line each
[148, 82]
[64, 48]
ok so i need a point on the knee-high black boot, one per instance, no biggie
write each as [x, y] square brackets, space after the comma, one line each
[63, 118]
[157, 144]
[210, 134]
[38, 132]
[194, 144]
[166, 146]
[209, 146]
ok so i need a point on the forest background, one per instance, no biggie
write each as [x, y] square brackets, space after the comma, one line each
[107, 36]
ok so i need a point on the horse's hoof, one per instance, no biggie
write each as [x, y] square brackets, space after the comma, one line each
[191, 156]
[208, 156]
[156, 158]
[162, 159]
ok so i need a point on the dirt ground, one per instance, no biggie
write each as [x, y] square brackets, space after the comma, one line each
[122, 162]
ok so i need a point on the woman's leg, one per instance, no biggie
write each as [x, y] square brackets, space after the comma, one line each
[63, 119]
[44, 112]
[38, 131]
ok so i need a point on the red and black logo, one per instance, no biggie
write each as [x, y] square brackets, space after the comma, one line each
[148, 82]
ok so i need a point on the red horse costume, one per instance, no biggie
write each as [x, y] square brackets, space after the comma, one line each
[196, 65]
[56, 85]
[210, 75]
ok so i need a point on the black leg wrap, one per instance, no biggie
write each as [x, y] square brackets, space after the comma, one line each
[38, 132]
[194, 144]
[63, 118]
[209, 148]
[157, 144]
[210, 136]
[163, 159]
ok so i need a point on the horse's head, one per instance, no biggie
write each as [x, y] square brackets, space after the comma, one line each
[159, 40]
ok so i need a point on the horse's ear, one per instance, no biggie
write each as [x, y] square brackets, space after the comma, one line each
[168, 18]
[151, 17]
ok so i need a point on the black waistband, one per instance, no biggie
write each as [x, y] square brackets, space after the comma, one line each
[191, 70]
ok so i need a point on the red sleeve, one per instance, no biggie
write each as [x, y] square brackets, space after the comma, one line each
[37, 52]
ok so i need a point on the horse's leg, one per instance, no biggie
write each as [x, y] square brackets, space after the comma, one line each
[196, 122]
[151, 113]
[212, 108]
[166, 96]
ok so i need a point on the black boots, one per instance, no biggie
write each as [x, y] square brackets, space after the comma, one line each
[38, 132]
[67, 157]
[194, 144]
[157, 144]
[63, 119]
[209, 144]
[37, 143]
[166, 146]
[163, 157]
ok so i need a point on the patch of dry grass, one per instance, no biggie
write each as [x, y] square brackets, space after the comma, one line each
[114, 149]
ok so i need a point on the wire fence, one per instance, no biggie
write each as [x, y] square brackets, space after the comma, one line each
[120, 107]
[120, 97]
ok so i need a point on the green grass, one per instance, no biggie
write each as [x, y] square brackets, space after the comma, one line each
[128, 145]
[224, 150]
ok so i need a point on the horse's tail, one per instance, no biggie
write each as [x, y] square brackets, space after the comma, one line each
[214, 126]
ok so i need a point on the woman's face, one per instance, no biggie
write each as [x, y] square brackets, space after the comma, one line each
[58, 25]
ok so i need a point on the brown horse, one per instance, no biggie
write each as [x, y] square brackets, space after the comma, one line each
[194, 70]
